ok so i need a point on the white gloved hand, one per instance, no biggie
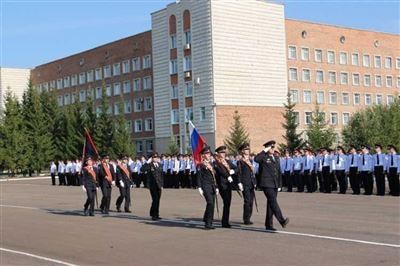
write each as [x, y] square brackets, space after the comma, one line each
[230, 180]
[83, 188]
[231, 172]
[279, 189]
[201, 192]
[240, 185]
[97, 188]
[121, 183]
[113, 183]
[131, 186]
[217, 191]
[267, 149]
[150, 160]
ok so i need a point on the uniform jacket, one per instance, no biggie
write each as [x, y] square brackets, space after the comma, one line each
[222, 174]
[122, 176]
[246, 175]
[88, 180]
[270, 170]
[206, 179]
[155, 176]
[102, 174]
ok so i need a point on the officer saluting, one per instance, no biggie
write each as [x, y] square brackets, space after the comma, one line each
[89, 185]
[207, 186]
[155, 179]
[106, 179]
[248, 182]
[271, 183]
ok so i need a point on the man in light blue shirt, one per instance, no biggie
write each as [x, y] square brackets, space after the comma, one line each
[326, 164]
[287, 170]
[352, 170]
[297, 170]
[393, 170]
[379, 170]
[340, 167]
[365, 168]
[308, 167]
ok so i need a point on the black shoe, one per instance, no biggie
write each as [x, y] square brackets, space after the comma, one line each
[248, 223]
[285, 223]
[91, 214]
[154, 218]
[118, 209]
[209, 227]
[270, 228]
[85, 212]
[103, 211]
[129, 211]
[106, 212]
[158, 218]
[226, 226]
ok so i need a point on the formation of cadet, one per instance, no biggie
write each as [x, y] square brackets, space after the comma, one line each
[218, 175]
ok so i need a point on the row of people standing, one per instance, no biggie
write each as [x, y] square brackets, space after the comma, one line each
[68, 172]
[328, 169]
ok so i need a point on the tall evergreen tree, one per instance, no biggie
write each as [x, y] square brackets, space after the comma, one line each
[237, 135]
[173, 147]
[104, 129]
[122, 141]
[293, 139]
[37, 133]
[319, 134]
[13, 145]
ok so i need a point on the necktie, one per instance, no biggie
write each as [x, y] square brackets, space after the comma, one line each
[363, 160]
[286, 163]
[377, 157]
[352, 159]
[337, 160]
[391, 161]
[323, 161]
[306, 161]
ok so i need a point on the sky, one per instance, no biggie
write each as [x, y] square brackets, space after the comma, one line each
[34, 32]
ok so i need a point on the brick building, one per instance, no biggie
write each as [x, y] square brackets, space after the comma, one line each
[208, 59]
[124, 67]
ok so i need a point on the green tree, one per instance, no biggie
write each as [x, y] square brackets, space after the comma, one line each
[293, 139]
[37, 130]
[122, 141]
[13, 144]
[103, 133]
[173, 147]
[319, 134]
[237, 135]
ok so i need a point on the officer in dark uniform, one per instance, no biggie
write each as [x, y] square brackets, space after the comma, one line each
[155, 179]
[271, 183]
[207, 186]
[106, 180]
[89, 185]
[247, 182]
[224, 170]
[124, 184]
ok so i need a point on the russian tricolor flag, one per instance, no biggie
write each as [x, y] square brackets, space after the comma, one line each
[197, 142]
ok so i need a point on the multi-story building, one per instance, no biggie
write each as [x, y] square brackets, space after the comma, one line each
[212, 58]
[341, 69]
[124, 67]
[13, 79]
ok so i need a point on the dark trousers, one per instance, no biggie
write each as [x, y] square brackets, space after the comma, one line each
[314, 181]
[226, 195]
[77, 178]
[248, 197]
[272, 207]
[136, 179]
[289, 181]
[194, 179]
[209, 212]
[53, 179]
[296, 178]
[341, 177]
[308, 180]
[334, 182]
[69, 179]
[321, 182]
[91, 193]
[181, 179]
[61, 179]
[301, 180]
[368, 182]
[393, 178]
[175, 180]
[106, 199]
[354, 180]
[125, 193]
[380, 180]
[155, 193]
[327, 179]
[187, 179]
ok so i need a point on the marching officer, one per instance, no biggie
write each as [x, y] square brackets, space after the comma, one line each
[89, 185]
[393, 170]
[224, 170]
[106, 180]
[124, 184]
[379, 170]
[352, 170]
[247, 182]
[271, 183]
[340, 166]
[365, 168]
[207, 186]
[155, 179]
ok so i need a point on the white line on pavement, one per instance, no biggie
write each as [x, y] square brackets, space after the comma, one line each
[37, 256]
[25, 178]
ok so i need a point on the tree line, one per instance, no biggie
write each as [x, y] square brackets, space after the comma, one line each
[37, 130]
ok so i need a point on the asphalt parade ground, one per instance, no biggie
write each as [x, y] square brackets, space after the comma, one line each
[44, 225]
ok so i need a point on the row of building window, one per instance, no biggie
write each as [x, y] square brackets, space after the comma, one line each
[144, 145]
[333, 119]
[343, 58]
[187, 65]
[138, 125]
[344, 78]
[187, 40]
[98, 74]
[333, 98]
[188, 115]
[188, 90]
